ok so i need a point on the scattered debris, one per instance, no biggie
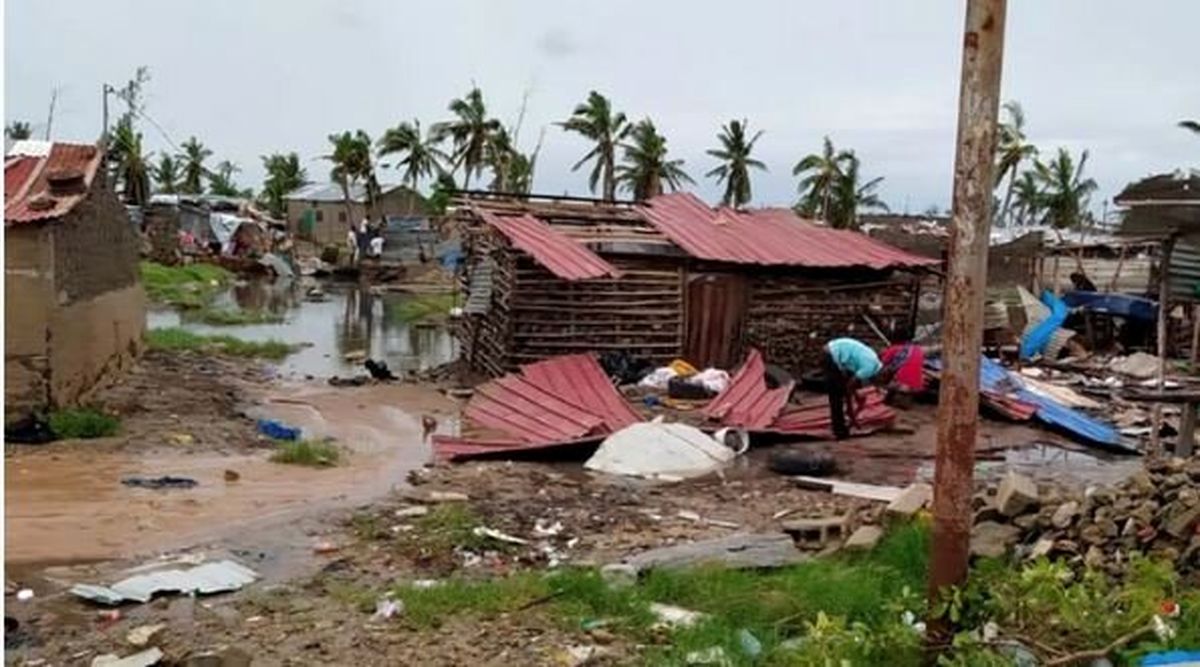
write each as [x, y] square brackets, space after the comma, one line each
[817, 533]
[1139, 365]
[913, 499]
[143, 659]
[743, 550]
[164, 482]
[386, 608]
[865, 491]
[1016, 494]
[658, 450]
[325, 547]
[484, 531]
[675, 617]
[864, 539]
[277, 430]
[204, 579]
[411, 511]
[143, 634]
[232, 475]
[713, 655]
[430, 497]
[25, 594]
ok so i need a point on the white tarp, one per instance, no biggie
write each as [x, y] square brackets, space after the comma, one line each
[224, 225]
[658, 450]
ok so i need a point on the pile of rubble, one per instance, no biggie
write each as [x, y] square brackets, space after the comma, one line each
[1155, 512]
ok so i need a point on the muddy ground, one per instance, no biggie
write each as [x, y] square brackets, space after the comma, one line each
[328, 541]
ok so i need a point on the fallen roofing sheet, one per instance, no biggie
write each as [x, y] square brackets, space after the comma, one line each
[997, 380]
[747, 401]
[204, 579]
[561, 255]
[28, 196]
[768, 236]
[451, 448]
[560, 402]
[811, 417]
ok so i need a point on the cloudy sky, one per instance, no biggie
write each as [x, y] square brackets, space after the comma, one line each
[250, 77]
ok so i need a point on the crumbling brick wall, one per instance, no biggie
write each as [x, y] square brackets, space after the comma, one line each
[95, 248]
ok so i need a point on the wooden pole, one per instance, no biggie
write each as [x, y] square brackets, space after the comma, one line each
[966, 281]
[1164, 300]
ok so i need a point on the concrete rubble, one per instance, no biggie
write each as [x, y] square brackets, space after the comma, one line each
[1154, 512]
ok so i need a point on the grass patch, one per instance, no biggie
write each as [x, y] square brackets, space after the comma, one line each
[177, 339]
[421, 307]
[232, 317]
[314, 453]
[83, 423]
[451, 525]
[187, 286]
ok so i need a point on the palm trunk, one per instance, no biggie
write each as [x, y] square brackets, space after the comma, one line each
[1004, 208]
[610, 186]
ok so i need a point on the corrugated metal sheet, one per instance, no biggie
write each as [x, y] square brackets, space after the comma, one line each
[1134, 276]
[562, 256]
[332, 192]
[811, 417]
[1185, 270]
[774, 237]
[579, 379]
[204, 579]
[479, 289]
[29, 184]
[747, 401]
[452, 448]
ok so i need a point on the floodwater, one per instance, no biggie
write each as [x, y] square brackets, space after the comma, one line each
[66, 504]
[351, 319]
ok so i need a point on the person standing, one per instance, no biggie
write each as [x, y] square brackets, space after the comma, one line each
[850, 365]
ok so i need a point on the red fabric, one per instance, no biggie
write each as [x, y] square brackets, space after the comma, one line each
[911, 373]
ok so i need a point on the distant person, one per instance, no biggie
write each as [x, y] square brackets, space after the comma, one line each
[850, 365]
[377, 246]
[904, 363]
[352, 245]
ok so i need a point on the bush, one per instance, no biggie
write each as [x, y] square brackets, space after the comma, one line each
[314, 453]
[83, 423]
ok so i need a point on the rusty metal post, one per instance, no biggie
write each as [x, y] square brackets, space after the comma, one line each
[966, 277]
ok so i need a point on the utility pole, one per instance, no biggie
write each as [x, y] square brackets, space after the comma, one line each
[50, 117]
[966, 278]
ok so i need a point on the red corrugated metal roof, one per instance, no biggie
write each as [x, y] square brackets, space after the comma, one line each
[747, 401]
[811, 418]
[454, 448]
[775, 237]
[26, 181]
[563, 256]
[579, 379]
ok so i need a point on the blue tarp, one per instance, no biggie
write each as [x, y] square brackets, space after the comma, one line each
[1176, 658]
[1035, 341]
[1121, 305]
[996, 378]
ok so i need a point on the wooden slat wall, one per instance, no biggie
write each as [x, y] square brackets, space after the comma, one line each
[640, 313]
[484, 338]
[790, 318]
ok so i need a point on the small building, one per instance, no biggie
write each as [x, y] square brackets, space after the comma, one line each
[74, 309]
[670, 278]
[317, 212]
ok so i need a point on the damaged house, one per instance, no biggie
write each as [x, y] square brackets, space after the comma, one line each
[670, 278]
[74, 310]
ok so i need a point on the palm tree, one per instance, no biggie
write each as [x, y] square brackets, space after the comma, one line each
[469, 132]
[421, 156]
[1012, 149]
[849, 197]
[823, 171]
[1027, 198]
[131, 164]
[1192, 125]
[595, 120]
[284, 174]
[166, 174]
[18, 130]
[351, 158]
[194, 171]
[646, 168]
[1065, 192]
[734, 153]
[220, 180]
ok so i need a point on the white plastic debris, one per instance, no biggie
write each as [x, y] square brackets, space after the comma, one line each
[713, 655]
[543, 528]
[386, 608]
[673, 616]
[25, 594]
[657, 450]
[484, 531]
[145, 658]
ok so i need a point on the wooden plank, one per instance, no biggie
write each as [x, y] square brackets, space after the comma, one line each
[842, 488]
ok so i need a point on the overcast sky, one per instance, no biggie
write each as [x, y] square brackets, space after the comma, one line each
[879, 76]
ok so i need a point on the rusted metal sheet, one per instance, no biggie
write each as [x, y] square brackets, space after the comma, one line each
[563, 256]
[449, 448]
[966, 282]
[28, 196]
[716, 308]
[578, 379]
[520, 408]
[811, 417]
[773, 237]
[747, 401]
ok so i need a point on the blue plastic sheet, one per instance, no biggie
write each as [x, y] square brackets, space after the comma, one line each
[277, 431]
[1034, 342]
[1173, 658]
[1110, 303]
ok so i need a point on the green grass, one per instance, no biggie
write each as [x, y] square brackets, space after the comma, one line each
[421, 307]
[451, 525]
[83, 423]
[188, 286]
[231, 317]
[177, 339]
[313, 453]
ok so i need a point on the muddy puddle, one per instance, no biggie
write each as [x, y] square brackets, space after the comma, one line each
[350, 319]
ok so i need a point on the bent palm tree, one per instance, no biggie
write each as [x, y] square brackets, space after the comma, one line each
[469, 132]
[351, 158]
[1012, 149]
[194, 171]
[284, 174]
[734, 154]
[1065, 192]
[822, 172]
[420, 156]
[166, 174]
[131, 164]
[646, 168]
[1027, 198]
[595, 120]
[849, 197]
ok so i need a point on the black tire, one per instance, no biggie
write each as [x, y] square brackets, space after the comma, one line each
[802, 462]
